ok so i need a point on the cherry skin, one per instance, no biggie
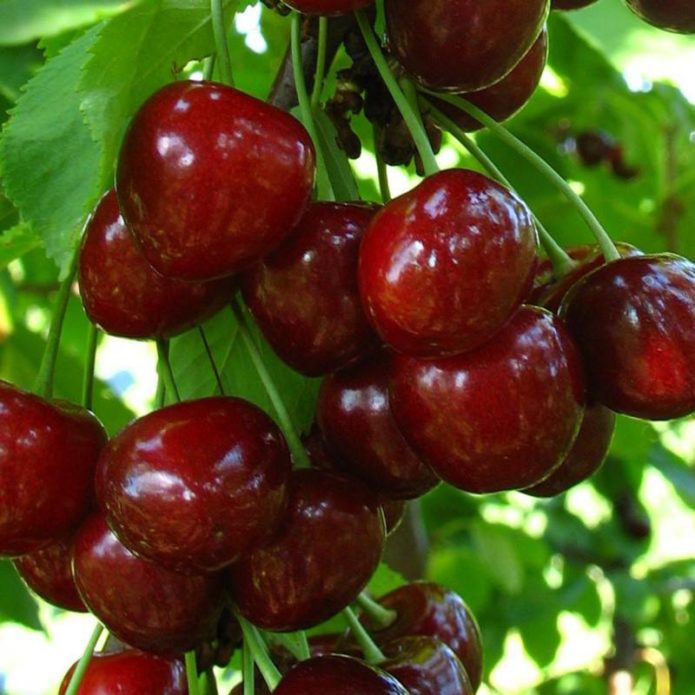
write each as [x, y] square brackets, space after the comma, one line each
[210, 179]
[672, 15]
[130, 671]
[338, 675]
[141, 603]
[196, 485]
[359, 430]
[43, 446]
[48, 572]
[570, 4]
[504, 98]
[501, 417]
[634, 321]
[445, 265]
[586, 456]
[462, 45]
[327, 7]
[296, 293]
[318, 562]
[125, 296]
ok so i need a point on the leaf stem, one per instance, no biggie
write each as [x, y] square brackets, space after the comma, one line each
[248, 670]
[191, 673]
[217, 13]
[383, 617]
[411, 118]
[320, 62]
[90, 361]
[165, 371]
[211, 359]
[369, 648]
[83, 663]
[257, 647]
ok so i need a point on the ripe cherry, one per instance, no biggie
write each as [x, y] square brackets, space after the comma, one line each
[322, 557]
[200, 174]
[672, 15]
[327, 7]
[297, 292]
[196, 485]
[125, 296]
[445, 265]
[634, 322]
[463, 45]
[44, 445]
[141, 603]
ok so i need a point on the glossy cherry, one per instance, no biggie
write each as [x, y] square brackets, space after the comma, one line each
[196, 485]
[210, 179]
[672, 15]
[140, 602]
[130, 671]
[570, 4]
[445, 265]
[359, 430]
[462, 45]
[338, 675]
[304, 296]
[501, 417]
[48, 454]
[586, 456]
[125, 296]
[327, 7]
[322, 557]
[634, 321]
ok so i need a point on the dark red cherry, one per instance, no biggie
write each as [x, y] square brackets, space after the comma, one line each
[426, 666]
[462, 45]
[327, 7]
[338, 675]
[210, 179]
[501, 417]
[130, 671]
[570, 4]
[445, 265]
[141, 603]
[196, 485]
[504, 98]
[48, 572]
[48, 454]
[672, 15]
[359, 430]
[634, 322]
[125, 296]
[431, 610]
[304, 296]
[586, 456]
[323, 556]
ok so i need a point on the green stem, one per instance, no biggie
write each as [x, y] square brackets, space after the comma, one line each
[43, 385]
[161, 394]
[165, 371]
[90, 360]
[382, 171]
[562, 262]
[191, 673]
[320, 62]
[371, 651]
[217, 12]
[248, 670]
[211, 359]
[82, 664]
[296, 643]
[257, 647]
[610, 253]
[288, 428]
[209, 67]
[383, 617]
[325, 190]
[410, 117]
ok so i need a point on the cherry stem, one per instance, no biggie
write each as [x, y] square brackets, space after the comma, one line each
[209, 67]
[562, 262]
[90, 361]
[383, 617]
[382, 170]
[259, 650]
[295, 642]
[81, 668]
[191, 673]
[290, 431]
[43, 385]
[410, 116]
[247, 669]
[217, 13]
[369, 648]
[320, 62]
[211, 359]
[165, 371]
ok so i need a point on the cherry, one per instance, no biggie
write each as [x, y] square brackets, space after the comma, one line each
[130, 671]
[327, 7]
[502, 417]
[141, 603]
[672, 15]
[504, 98]
[431, 610]
[48, 453]
[462, 45]
[48, 572]
[634, 322]
[124, 295]
[196, 485]
[445, 265]
[297, 292]
[586, 455]
[319, 561]
[359, 430]
[338, 675]
[570, 4]
[210, 179]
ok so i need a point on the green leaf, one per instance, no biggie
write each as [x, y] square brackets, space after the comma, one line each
[16, 603]
[17, 64]
[384, 581]
[15, 242]
[496, 549]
